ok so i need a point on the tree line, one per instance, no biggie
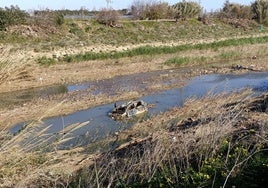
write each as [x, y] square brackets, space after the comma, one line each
[141, 10]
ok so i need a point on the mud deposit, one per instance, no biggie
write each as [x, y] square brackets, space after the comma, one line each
[111, 87]
[86, 126]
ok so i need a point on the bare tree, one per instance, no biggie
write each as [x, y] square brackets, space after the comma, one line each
[138, 9]
[260, 9]
[108, 2]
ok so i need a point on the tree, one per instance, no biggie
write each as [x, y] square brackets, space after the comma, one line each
[138, 9]
[260, 10]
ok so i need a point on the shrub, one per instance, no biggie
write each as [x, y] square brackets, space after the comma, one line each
[48, 18]
[59, 19]
[235, 10]
[151, 10]
[260, 10]
[11, 16]
[186, 9]
[108, 17]
[138, 9]
[75, 29]
[157, 11]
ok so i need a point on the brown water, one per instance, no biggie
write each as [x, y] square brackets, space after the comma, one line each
[134, 82]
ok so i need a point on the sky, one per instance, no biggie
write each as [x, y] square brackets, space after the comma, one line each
[208, 5]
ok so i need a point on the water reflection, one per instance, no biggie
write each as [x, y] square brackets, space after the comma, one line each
[22, 96]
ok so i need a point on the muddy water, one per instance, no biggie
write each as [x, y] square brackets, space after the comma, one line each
[20, 97]
[86, 126]
[139, 81]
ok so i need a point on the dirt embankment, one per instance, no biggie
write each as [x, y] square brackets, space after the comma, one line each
[22, 70]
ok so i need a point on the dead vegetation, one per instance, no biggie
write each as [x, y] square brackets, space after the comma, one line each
[36, 31]
[164, 148]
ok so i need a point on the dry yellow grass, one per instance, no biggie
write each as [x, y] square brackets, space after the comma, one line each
[197, 128]
[169, 141]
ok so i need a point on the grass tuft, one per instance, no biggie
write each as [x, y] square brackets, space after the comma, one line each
[46, 61]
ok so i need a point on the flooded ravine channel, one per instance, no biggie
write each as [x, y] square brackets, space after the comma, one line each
[86, 126]
[139, 81]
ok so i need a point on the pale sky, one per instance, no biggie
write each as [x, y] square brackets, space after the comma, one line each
[98, 4]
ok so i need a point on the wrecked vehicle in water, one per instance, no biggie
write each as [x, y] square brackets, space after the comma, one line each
[129, 109]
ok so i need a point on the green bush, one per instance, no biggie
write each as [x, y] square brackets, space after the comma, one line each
[59, 19]
[75, 29]
[11, 16]
[186, 9]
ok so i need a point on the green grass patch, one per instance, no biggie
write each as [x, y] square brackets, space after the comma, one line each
[229, 55]
[46, 61]
[149, 50]
[178, 61]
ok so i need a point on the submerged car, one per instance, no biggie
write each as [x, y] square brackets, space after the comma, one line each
[129, 109]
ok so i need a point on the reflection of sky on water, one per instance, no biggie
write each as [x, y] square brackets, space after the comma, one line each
[77, 87]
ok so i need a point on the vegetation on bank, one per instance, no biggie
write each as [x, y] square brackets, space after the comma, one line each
[141, 10]
[54, 26]
[233, 20]
[211, 142]
[150, 51]
[217, 141]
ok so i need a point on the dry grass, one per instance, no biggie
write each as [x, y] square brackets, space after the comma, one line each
[30, 159]
[170, 143]
[9, 65]
[167, 143]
